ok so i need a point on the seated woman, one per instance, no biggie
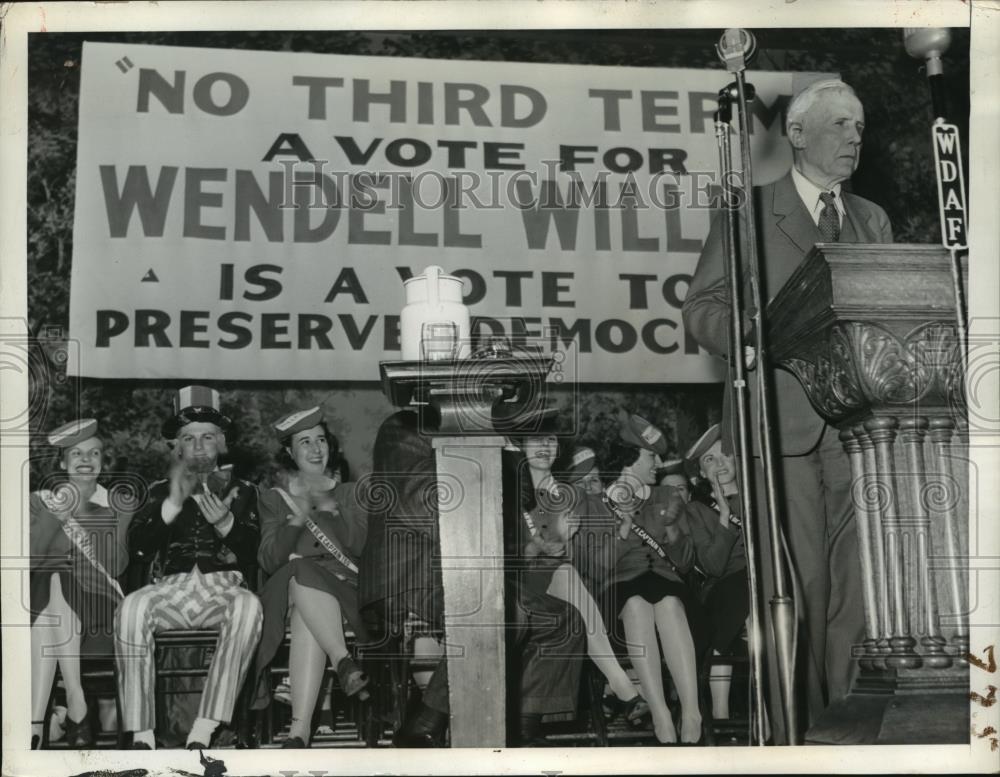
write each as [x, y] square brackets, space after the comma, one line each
[401, 573]
[78, 549]
[549, 517]
[717, 534]
[312, 535]
[647, 587]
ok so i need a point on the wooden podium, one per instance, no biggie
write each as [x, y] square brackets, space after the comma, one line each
[466, 395]
[869, 331]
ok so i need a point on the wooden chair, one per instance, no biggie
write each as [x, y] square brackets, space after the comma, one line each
[735, 727]
[189, 640]
[141, 572]
[391, 661]
[357, 709]
[99, 680]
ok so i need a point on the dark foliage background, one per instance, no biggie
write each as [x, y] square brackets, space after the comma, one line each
[895, 171]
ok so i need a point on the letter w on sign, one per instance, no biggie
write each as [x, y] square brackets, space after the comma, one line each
[951, 184]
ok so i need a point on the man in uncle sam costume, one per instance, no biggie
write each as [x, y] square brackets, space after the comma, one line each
[202, 525]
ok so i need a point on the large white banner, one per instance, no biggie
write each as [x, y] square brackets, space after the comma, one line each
[252, 215]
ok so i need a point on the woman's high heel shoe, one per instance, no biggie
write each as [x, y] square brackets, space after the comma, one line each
[79, 734]
[636, 711]
[352, 679]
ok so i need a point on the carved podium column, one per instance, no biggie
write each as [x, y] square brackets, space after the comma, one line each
[870, 333]
[465, 394]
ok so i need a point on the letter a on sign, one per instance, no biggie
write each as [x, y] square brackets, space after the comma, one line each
[951, 184]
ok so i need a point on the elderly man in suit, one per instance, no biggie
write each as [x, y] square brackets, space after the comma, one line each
[807, 206]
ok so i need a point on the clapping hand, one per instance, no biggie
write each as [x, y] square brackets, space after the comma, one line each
[181, 481]
[563, 525]
[673, 509]
[572, 524]
[323, 502]
[720, 500]
[539, 547]
[213, 508]
[625, 527]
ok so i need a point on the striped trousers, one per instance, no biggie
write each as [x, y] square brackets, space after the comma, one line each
[189, 600]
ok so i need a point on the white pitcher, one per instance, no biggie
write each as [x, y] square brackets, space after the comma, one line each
[434, 324]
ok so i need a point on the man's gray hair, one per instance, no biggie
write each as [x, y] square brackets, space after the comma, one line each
[803, 102]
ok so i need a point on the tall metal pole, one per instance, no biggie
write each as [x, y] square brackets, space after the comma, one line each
[930, 44]
[734, 48]
[738, 384]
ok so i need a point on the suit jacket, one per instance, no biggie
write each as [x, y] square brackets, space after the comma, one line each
[190, 540]
[786, 232]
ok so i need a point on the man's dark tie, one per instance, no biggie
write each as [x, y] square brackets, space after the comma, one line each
[829, 219]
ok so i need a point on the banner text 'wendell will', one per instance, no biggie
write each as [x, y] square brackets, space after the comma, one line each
[233, 205]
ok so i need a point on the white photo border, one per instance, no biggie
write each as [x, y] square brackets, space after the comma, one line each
[18, 20]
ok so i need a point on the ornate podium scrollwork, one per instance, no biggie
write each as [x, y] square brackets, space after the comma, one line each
[868, 333]
[864, 364]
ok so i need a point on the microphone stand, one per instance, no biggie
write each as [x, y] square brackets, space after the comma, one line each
[734, 48]
[930, 44]
[737, 372]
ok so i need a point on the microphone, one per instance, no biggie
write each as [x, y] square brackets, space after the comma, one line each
[736, 48]
[928, 43]
[731, 93]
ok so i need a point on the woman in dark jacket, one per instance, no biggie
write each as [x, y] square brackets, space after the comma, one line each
[647, 586]
[78, 549]
[312, 535]
[717, 534]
